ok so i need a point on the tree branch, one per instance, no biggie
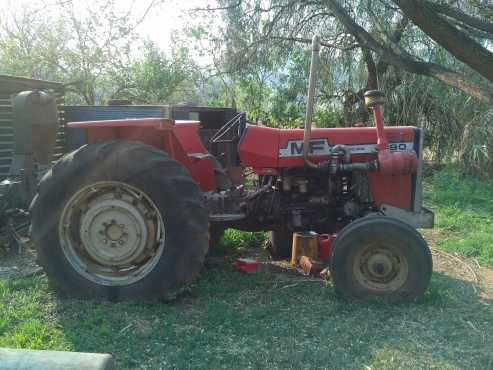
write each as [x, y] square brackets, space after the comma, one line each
[451, 12]
[405, 61]
[458, 43]
[209, 9]
[309, 41]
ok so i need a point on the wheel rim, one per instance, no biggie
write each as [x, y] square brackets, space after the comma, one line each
[112, 233]
[380, 267]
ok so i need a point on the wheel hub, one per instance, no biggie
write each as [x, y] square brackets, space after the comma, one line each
[382, 268]
[112, 233]
[380, 265]
[115, 232]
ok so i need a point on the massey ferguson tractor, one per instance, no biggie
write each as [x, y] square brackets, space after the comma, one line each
[132, 213]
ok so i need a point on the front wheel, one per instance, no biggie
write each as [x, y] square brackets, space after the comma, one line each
[380, 257]
[119, 220]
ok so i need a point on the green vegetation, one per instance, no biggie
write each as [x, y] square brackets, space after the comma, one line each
[234, 239]
[463, 206]
[278, 321]
[232, 320]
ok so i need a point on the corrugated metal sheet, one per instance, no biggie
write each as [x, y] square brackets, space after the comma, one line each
[6, 128]
[77, 113]
[211, 118]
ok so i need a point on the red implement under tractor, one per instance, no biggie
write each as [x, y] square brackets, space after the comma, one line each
[133, 212]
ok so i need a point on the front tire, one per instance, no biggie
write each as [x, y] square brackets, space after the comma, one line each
[380, 257]
[119, 220]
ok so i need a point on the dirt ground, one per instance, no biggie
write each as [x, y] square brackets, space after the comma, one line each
[469, 270]
[13, 264]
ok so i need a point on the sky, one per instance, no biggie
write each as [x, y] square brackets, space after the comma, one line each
[158, 25]
[166, 18]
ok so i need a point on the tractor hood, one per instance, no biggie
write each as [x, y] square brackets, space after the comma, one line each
[283, 148]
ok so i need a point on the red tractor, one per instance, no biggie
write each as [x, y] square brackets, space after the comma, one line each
[132, 212]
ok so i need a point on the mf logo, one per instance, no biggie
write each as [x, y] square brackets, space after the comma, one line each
[295, 148]
[321, 147]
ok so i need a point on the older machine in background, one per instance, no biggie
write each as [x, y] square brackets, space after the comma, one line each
[35, 125]
[130, 214]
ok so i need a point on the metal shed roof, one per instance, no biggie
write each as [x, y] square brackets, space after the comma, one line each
[9, 87]
[14, 84]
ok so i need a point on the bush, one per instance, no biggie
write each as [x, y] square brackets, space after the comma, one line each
[236, 239]
[476, 148]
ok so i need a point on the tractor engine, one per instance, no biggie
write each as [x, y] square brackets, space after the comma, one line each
[319, 202]
[349, 177]
[297, 199]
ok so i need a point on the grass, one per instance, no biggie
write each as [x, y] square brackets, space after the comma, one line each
[266, 321]
[274, 321]
[463, 207]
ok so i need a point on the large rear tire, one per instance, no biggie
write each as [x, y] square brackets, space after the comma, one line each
[119, 220]
[380, 257]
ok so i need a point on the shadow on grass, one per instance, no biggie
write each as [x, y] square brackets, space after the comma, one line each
[230, 320]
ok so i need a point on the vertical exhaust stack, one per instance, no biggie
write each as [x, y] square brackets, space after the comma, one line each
[312, 83]
[373, 100]
[389, 163]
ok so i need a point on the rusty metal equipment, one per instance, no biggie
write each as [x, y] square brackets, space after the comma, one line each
[35, 130]
[35, 125]
[304, 244]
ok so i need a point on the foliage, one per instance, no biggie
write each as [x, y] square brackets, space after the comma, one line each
[253, 56]
[463, 206]
[387, 50]
[158, 78]
[80, 44]
[476, 147]
[235, 239]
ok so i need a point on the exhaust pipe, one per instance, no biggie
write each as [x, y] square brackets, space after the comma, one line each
[310, 101]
